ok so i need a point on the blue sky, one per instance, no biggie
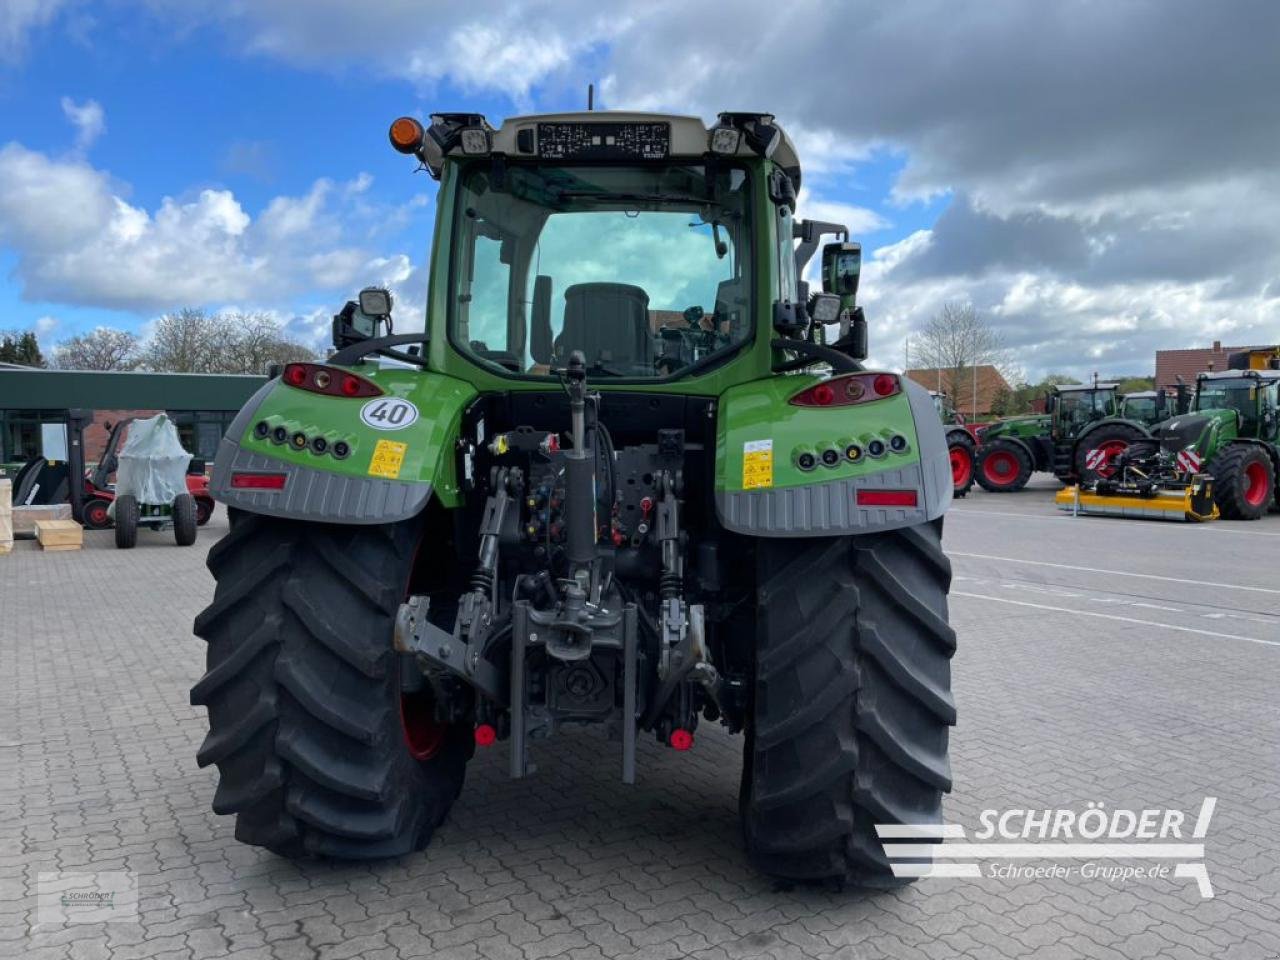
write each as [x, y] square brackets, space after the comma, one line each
[233, 155]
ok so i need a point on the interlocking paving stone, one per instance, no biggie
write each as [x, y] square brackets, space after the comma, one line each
[97, 772]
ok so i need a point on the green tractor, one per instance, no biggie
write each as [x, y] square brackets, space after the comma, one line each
[961, 446]
[623, 478]
[1077, 439]
[1231, 434]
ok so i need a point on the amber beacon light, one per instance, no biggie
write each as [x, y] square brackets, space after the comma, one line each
[406, 135]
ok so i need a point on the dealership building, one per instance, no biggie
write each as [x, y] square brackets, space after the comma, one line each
[201, 405]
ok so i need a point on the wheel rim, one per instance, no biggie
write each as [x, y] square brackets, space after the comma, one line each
[203, 512]
[961, 466]
[1000, 467]
[423, 735]
[1255, 484]
[1110, 449]
[96, 514]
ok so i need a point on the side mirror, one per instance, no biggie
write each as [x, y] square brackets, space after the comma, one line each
[841, 270]
[1050, 402]
[351, 325]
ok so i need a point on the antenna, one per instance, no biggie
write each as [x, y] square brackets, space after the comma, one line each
[591, 96]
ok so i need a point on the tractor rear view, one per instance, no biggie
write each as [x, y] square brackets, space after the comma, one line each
[1222, 457]
[587, 495]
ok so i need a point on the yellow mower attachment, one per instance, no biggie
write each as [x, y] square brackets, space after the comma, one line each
[1190, 504]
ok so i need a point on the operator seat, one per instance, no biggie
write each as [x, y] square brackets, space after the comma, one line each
[609, 323]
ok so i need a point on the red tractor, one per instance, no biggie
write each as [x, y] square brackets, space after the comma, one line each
[99, 492]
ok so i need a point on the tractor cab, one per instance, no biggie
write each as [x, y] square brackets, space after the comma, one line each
[1074, 407]
[947, 412]
[1250, 394]
[1147, 407]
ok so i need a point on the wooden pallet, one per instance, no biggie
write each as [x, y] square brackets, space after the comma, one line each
[59, 534]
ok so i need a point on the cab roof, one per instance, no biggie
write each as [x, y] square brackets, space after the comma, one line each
[689, 135]
[1077, 387]
[1268, 375]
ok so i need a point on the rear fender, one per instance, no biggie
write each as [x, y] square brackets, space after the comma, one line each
[388, 474]
[761, 490]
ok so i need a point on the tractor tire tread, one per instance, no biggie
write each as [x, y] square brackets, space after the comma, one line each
[302, 692]
[850, 721]
[1227, 470]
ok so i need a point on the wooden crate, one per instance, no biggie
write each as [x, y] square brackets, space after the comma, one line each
[26, 518]
[59, 534]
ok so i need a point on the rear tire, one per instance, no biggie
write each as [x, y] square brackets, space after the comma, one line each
[852, 702]
[304, 694]
[126, 522]
[1003, 467]
[1243, 481]
[962, 451]
[1114, 440]
[184, 519]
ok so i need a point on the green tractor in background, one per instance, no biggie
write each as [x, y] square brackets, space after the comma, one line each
[632, 474]
[1083, 430]
[1231, 434]
[961, 446]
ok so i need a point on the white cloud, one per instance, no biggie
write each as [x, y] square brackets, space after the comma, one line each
[77, 240]
[88, 119]
[18, 19]
[46, 325]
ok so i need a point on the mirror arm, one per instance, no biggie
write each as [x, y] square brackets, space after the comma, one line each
[809, 233]
[814, 353]
[357, 351]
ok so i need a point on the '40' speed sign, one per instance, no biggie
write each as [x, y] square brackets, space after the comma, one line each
[389, 413]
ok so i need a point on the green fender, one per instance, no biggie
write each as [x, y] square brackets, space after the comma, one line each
[763, 489]
[399, 449]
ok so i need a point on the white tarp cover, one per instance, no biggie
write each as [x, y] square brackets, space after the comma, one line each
[152, 464]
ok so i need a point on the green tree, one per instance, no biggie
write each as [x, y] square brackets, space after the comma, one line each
[1137, 384]
[21, 347]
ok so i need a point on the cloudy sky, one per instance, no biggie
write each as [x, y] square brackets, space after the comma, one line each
[1099, 177]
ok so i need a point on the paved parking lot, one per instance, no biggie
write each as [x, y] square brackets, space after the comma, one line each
[1117, 662]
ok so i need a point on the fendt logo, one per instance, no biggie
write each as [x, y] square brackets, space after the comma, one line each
[1090, 844]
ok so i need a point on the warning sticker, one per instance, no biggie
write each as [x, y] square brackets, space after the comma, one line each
[757, 464]
[388, 455]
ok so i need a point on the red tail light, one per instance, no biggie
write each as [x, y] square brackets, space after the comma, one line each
[887, 498]
[332, 382]
[847, 389]
[258, 481]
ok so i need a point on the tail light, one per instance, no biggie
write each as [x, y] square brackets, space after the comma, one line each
[848, 389]
[887, 498]
[258, 481]
[330, 381]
